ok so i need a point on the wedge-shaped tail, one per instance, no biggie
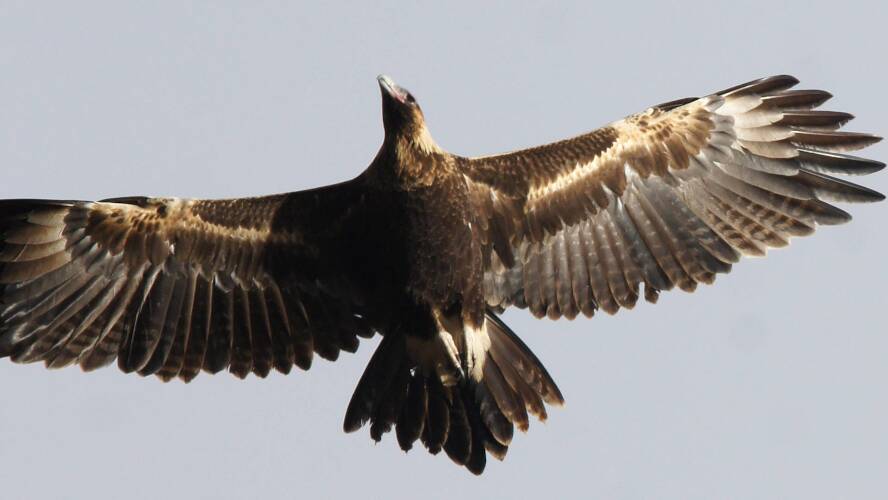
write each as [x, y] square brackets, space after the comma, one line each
[475, 416]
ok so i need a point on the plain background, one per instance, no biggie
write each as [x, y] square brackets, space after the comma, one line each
[771, 384]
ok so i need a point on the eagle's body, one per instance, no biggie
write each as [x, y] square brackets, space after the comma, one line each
[426, 248]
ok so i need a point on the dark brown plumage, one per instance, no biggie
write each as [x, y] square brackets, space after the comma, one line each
[425, 248]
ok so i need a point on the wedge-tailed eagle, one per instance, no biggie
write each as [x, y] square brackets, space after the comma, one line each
[426, 248]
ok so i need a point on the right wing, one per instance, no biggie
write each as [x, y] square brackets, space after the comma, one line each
[667, 197]
[172, 286]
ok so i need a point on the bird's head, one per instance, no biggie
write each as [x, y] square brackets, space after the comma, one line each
[401, 115]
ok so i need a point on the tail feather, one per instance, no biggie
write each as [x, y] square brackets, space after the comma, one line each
[436, 425]
[389, 408]
[516, 353]
[411, 422]
[507, 398]
[469, 419]
[459, 437]
[479, 416]
[374, 383]
[492, 415]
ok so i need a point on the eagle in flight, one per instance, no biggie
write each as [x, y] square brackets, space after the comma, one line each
[426, 248]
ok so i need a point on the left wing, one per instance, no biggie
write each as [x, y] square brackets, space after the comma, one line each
[671, 196]
[173, 286]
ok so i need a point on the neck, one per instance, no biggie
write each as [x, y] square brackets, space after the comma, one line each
[413, 140]
[422, 141]
[415, 159]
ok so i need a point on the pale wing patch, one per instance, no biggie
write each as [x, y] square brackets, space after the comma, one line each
[162, 227]
[657, 140]
[168, 216]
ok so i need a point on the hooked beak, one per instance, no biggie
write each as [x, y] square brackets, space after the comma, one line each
[390, 88]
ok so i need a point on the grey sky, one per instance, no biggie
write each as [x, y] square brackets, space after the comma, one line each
[771, 384]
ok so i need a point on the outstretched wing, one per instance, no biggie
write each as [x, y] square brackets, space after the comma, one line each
[671, 196]
[173, 286]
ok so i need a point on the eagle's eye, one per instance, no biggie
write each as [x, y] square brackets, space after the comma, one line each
[410, 98]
